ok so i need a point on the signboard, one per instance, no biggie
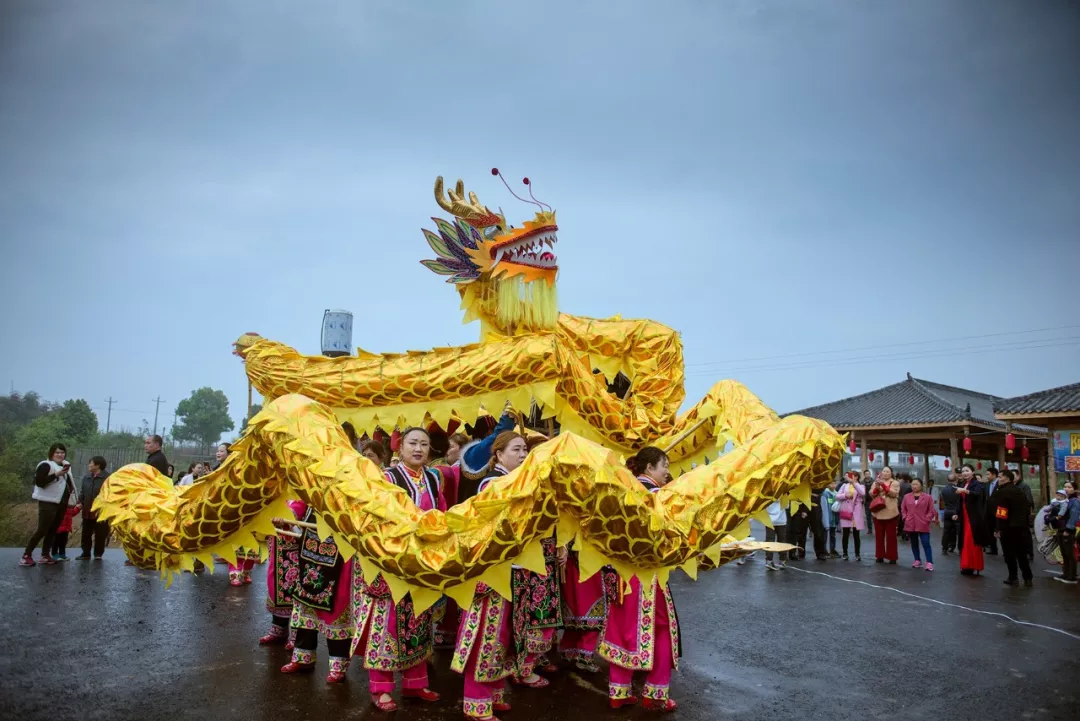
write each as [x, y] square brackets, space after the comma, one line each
[1067, 451]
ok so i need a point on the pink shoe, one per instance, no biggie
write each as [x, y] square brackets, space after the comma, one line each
[917, 564]
[929, 567]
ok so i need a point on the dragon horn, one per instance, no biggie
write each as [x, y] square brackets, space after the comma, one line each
[457, 205]
[440, 198]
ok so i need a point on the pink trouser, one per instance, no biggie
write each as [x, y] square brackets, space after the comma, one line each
[658, 679]
[245, 565]
[480, 696]
[579, 644]
[413, 678]
[549, 639]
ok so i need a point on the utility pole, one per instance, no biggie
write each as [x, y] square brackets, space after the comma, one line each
[158, 403]
[108, 418]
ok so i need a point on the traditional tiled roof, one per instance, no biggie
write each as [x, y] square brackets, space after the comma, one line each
[910, 402]
[1063, 399]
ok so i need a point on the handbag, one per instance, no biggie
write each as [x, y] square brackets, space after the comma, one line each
[877, 503]
[846, 515]
[835, 506]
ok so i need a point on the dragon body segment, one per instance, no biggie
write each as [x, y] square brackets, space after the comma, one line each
[528, 353]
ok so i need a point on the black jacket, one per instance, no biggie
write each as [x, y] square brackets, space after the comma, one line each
[89, 490]
[1023, 486]
[158, 461]
[1009, 507]
[950, 500]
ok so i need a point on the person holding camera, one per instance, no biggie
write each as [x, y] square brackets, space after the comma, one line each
[53, 486]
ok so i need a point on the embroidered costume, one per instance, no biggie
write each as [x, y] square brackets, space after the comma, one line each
[321, 604]
[484, 651]
[642, 634]
[281, 575]
[584, 610]
[390, 637]
[536, 608]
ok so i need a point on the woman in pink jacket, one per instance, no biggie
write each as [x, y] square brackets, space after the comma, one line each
[852, 497]
[918, 512]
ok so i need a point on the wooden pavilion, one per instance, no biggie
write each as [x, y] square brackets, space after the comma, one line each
[922, 417]
[1058, 409]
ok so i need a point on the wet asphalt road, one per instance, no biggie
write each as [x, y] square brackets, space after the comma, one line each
[100, 640]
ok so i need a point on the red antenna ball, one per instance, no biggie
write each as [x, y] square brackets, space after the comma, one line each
[525, 180]
[494, 171]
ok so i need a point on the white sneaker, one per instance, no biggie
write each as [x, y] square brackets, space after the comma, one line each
[770, 566]
[1059, 579]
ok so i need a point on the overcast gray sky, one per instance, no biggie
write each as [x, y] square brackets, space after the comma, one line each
[769, 178]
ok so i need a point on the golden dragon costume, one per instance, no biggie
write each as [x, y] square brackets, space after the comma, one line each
[529, 356]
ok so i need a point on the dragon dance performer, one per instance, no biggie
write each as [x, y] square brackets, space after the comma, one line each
[321, 605]
[281, 577]
[642, 630]
[536, 608]
[388, 636]
[484, 652]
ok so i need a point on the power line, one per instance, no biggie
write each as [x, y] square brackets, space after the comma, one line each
[941, 353]
[878, 347]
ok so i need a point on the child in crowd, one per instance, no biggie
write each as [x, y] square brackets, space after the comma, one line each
[59, 551]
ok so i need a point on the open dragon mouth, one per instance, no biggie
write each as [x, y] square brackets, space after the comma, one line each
[535, 249]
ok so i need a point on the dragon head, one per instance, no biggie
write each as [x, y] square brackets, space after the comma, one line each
[506, 275]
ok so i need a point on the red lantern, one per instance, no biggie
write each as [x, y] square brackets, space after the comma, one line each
[871, 456]
[1024, 452]
[1010, 442]
[967, 444]
[979, 465]
[911, 460]
[851, 446]
[946, 462]
[1032, 469]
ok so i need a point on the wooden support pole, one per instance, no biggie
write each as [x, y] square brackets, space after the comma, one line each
[954, 454]
[926, 467]
[865, 457]
[1001, 456]
[1048, 476]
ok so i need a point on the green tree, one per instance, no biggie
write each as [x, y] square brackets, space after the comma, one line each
[29, 446]
[202, 417]
[16, 410]
[80, 420]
